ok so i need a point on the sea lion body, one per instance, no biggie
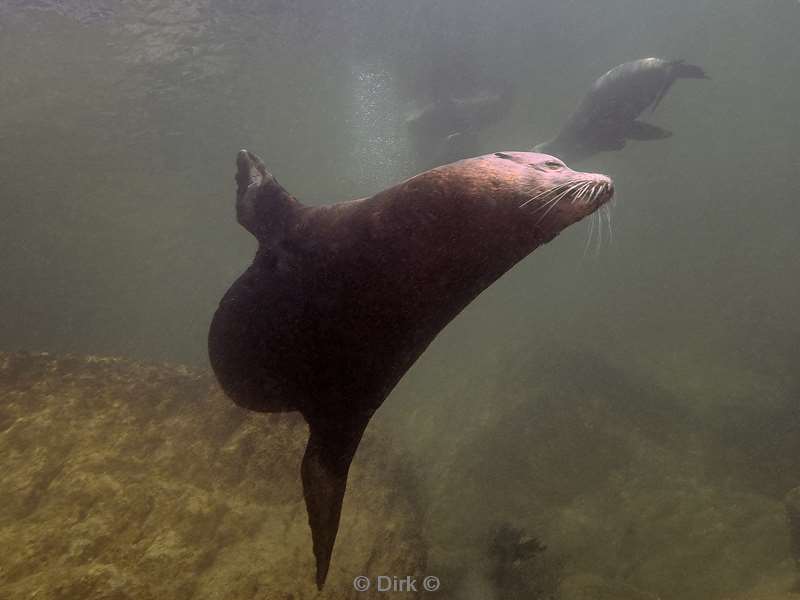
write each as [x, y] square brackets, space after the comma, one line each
[342, 299]
[608, 115]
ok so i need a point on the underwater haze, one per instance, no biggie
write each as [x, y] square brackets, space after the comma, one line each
[630, 400]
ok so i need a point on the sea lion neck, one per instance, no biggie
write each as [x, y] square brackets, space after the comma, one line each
[429, 240]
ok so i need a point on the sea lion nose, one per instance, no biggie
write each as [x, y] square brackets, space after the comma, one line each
[606, 185]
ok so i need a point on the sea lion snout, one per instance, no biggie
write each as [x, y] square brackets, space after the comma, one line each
[599, 190]
[604, 185]
[561, 196]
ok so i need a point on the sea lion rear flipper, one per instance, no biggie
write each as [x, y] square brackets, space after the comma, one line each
[641, 131]
[326, 463]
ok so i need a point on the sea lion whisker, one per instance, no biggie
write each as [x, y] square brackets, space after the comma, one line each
[581, 192]
[545, 193]
[546, 205]
[537, 197]
[563, 194]
[559, 187]
[607, 211]
[596, 188]
[578, 193]
[592, 193]
[556, 202]
[586, 191]
[577, 189]
[555, 191]
[589, 192]
[591, 234]
[599, 234]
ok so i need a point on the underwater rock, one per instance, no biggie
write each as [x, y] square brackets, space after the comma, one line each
[121, 480]
[611, 471]
[145, 33]
[517, 570]
[83, 11]
[592, 587]
[793, 519]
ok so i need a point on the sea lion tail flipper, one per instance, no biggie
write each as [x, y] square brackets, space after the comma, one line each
[326, 463]
[641, 131]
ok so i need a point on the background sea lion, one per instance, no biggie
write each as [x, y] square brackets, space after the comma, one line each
[452, 115]
[448, 128]
[342, 299]
[608, 114]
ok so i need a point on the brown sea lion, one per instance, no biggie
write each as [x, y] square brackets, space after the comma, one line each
[340, 300]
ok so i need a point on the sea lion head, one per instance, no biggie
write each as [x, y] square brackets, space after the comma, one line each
[559, 193]
[536, 192]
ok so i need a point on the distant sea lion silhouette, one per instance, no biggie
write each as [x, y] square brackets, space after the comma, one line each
[448, 129]
[608, 115]
[455, 115]
[340, 300]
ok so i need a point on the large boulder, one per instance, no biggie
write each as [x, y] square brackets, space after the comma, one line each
[128, 480]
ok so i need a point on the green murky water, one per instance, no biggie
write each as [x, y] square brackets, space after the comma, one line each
[636, 406]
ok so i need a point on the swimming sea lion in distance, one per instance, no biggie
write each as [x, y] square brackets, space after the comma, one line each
[340, 300]
[448, 129]
[608, 115]
[453, 115]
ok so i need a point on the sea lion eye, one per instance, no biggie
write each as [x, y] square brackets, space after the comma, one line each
[551, 164]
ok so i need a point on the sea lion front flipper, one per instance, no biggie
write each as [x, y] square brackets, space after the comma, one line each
[326, 463]
[641, 131]
[250, 170]
[661, 93]
[263, 206]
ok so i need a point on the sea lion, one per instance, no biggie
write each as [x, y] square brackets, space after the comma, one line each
[340, 300]
[453, 115]
[448, 129]
[608, 114]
